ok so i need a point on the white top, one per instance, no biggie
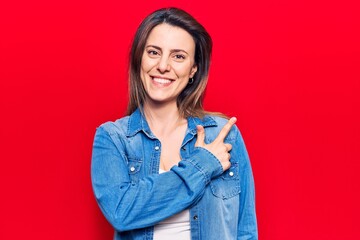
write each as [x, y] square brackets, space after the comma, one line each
[176, 227]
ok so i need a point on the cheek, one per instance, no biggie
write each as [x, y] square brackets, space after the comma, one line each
[141, 72]
[143, 65]
[147, 64]
[144, 68]
[183, 71]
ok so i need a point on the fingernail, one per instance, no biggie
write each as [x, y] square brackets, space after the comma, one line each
[233, 119]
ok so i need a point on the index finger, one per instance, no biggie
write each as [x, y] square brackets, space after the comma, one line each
[226, 129]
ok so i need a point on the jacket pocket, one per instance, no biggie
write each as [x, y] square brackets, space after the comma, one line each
[227, 185]
[134, 167]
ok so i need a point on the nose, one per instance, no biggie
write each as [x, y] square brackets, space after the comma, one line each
[163, 64]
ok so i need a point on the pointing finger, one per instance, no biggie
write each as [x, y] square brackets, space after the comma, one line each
[226, 129]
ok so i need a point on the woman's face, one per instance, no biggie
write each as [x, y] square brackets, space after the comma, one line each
[167, 63]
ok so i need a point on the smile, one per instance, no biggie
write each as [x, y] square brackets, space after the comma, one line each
[162, 81]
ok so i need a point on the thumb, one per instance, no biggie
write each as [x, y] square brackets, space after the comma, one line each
[200, 142]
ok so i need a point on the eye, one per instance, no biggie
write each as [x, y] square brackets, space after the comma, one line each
[179, 56]
[152, 52]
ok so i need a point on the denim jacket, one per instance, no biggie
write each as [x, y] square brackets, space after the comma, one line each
[134, 197]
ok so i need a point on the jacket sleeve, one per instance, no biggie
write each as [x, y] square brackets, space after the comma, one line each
[247, 224]
[128, 205]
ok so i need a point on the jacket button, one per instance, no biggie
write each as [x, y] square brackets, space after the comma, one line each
[157, 148]
[132, 169]
[231, 174]
[195, 217]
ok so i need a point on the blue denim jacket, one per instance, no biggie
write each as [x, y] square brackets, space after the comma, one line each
[134, 197]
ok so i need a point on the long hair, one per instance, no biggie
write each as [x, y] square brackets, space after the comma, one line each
[190, 100]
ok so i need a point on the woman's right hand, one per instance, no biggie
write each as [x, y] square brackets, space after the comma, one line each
[218, 148]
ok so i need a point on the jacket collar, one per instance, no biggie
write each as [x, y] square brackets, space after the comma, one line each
[137, 123]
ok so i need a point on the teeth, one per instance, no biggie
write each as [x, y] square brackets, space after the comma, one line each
[161, 80]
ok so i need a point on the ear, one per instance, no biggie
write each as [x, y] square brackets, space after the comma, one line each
[193, 70]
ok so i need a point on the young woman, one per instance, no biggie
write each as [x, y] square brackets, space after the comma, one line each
[171, 170]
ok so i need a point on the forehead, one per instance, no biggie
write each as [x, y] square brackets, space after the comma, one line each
[167, 36]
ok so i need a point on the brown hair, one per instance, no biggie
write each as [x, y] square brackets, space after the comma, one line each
[190, 100]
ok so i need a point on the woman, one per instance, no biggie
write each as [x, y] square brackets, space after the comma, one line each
[171, 170]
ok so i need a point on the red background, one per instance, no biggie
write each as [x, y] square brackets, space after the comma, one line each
[289, 70]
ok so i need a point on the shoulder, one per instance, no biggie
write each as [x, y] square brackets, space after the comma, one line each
[119, 126]
[219, 123]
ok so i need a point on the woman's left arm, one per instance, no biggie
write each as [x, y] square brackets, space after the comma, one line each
[247, 225]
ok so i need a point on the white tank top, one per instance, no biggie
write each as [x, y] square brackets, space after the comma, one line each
[176, 227]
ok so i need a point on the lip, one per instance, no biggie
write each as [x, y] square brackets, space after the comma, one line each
[162, 77]
[161, 81]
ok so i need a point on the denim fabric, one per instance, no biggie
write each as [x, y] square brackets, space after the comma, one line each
[133, 196]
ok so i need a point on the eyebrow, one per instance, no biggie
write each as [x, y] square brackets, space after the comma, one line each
[172, 50]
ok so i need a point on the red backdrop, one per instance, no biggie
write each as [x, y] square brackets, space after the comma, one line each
[289, 70]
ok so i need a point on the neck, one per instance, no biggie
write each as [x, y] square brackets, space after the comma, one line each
[163, 119]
